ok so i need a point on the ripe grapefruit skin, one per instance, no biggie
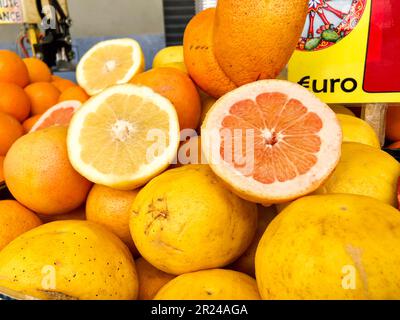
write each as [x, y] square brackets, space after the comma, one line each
[254, 39]
[199, 56]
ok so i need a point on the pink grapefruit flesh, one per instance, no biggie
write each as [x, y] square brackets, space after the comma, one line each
[271, 141]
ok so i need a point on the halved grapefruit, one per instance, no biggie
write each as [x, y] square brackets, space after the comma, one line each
[271, 141]
[58, 115]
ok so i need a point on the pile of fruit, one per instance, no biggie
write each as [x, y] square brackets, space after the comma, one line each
[202, 178]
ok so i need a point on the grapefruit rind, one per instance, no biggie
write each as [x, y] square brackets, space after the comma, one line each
[277, 192]
[130, 180]
[137, 58]
[75, 104]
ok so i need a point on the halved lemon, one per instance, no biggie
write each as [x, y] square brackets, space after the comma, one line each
[109, 63]
[123, 136]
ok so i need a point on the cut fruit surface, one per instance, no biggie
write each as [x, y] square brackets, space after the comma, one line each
[109, 63]
[59, 115]
[123, 137]
[271, 141]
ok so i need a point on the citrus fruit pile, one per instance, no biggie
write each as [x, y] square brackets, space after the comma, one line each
[138, 184]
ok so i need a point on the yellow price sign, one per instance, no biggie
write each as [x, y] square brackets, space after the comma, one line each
[11, 12]
[348, 51]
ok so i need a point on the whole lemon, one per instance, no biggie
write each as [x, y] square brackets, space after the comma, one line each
[184, 220]
[215, 284]
[168, 56]
[331, 247]
[364, 170]
[339, 109]
[357, 130]
[69, 260]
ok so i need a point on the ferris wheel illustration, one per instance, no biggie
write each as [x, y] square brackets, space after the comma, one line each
[329, 21]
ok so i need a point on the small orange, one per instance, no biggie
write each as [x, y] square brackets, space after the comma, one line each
[63, 84]
[13, 69]
[1, 169]
[43, 95]
[14, 101]
[177, 87]
[76, 214]
[10, 131]
[111, 208]
[30, 122]
[39, 175]
[393, 123]
[74, 93]
[55, 78]
[15, 220]
[38, 70]
[151, 280]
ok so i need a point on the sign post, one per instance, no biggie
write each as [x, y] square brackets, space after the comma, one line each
[348, 54]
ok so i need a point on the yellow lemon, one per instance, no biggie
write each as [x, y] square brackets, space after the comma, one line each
[69, 260]
[216, 284]
[338, 109]
[358, 130]
[185, 220]
[331, 247]
[364, 170]
[168, 56]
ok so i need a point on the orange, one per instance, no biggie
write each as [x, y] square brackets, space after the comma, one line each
[395, 145]
[271, 141]
[199, 56]
[393, 123]
[254, 40]
[76, 214]
[43, 96]
[14, 101]
[39, 175]
[55, 78]
[38, 70]
[245, 263]
[58, 115]
[111, 208]
[1, 169]
[151, 280]
[74, 93]
[177, 87]
[63, 84]
[14, 221]
[10, 131]
[13, 69]
[30, 122]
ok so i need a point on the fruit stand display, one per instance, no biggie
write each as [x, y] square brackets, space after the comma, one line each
[208, 176]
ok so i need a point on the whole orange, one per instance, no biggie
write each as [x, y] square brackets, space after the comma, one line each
[151, 280]
[74, 93]
[39, 175]
[395, 145]
[43, 95]
[13, 69]
[1, 169]
[111, 208]
[38, 70]
[14, 101]
[176, 86]
[76, 214]
[15, 219]
[63, 84]
[30, 122]
[10, 131]
[393, 123]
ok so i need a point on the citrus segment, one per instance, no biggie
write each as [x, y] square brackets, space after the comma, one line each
[124, 136]
[271, 141]
[109, 63]
[59, 115]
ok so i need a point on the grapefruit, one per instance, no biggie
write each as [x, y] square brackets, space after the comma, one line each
[58, 115]
[271, 141]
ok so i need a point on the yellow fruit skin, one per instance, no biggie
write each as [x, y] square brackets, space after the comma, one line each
[338, 109]
[215, 284]
[364, 170]
[245, 263]
[88, 262]
[318, 246]
[111, 208]
[173, 54]
[254, 40]
[15, 219]
[207, 104]
[214, 226]
[357, 130]
[151, 280]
